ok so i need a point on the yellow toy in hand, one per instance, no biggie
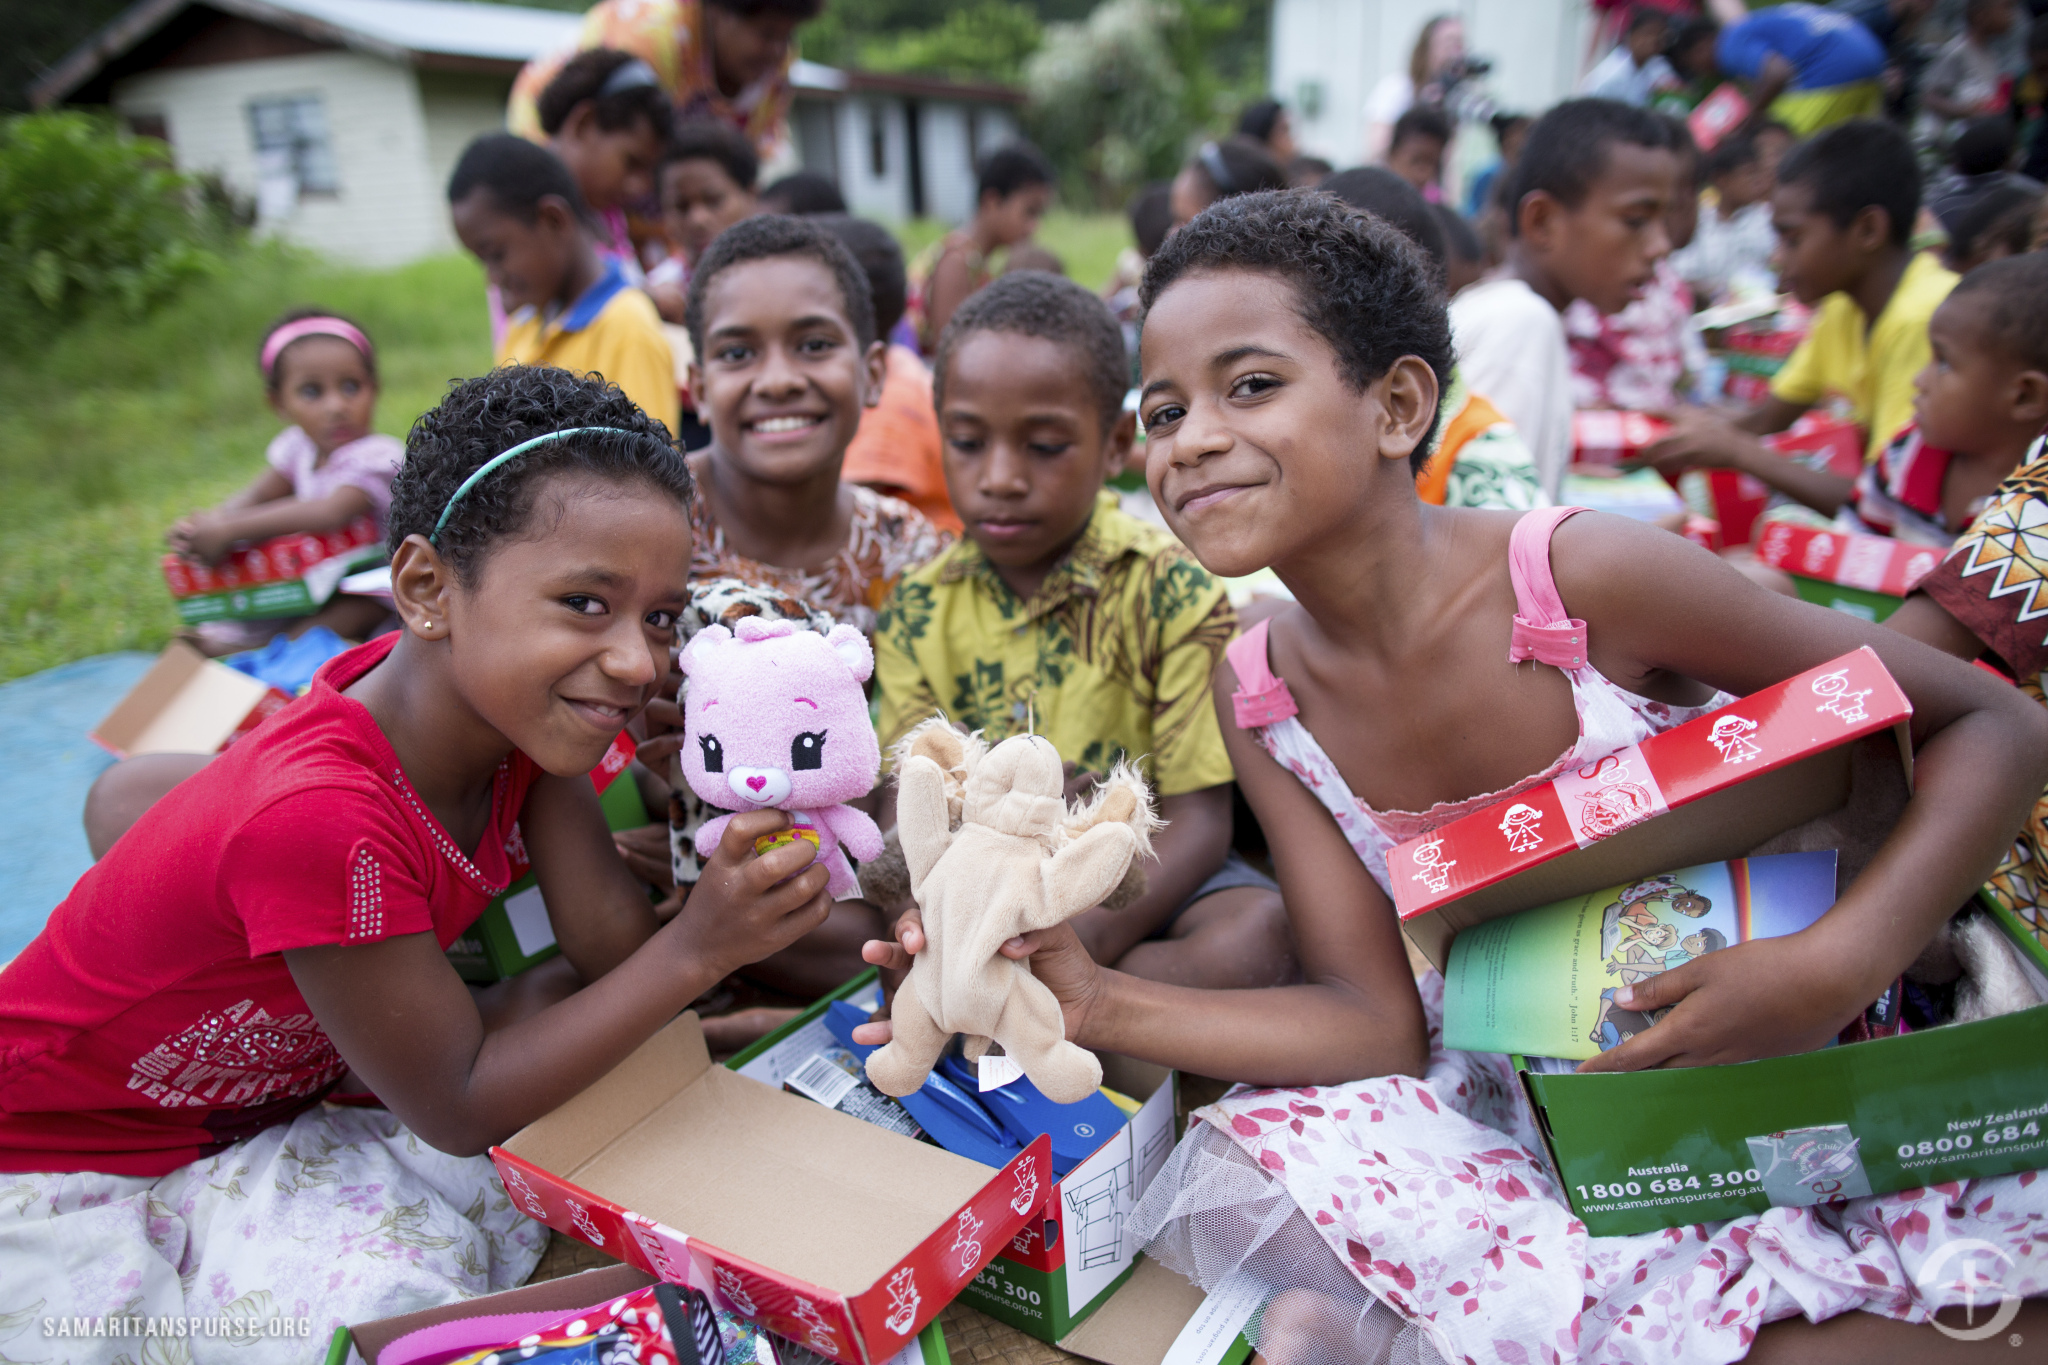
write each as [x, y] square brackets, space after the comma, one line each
[1019, 861]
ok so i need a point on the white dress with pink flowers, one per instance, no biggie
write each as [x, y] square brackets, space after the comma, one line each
[1418, 1220]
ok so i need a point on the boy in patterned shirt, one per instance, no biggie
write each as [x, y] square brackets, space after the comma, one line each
[1064, 615]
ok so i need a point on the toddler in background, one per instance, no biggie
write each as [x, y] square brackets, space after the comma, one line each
[1733, 238]
[1637, 359]
[896, 451]
[1012, 190]
[518, 211]
[1587, 220]
[1416, 152]
[326, 469]
[708, 182]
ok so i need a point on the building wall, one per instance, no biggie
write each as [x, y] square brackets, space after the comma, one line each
[457, 107]
[388, 208]
[1328, 55]
[948, 165]
[883, 194]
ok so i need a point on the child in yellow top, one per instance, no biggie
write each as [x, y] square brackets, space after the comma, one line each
[518, 211]
[1064, 614]
[1844, 208]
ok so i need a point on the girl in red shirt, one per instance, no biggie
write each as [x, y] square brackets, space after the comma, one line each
[282, 916]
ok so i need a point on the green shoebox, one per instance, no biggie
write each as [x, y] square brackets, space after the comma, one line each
[1645, 1150]
[1068, 1278]
[1871, 606]
[513, 932]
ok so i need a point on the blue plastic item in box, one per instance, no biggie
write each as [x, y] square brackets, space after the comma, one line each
[1076, 1129]
[949, 1115]
[286, 664]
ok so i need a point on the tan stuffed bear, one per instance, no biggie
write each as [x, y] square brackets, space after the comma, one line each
[1019, 861]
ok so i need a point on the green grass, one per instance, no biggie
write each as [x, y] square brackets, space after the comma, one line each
[110, 429]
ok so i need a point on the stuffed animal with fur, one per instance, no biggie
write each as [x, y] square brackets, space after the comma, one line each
[774, 716]
[1019, 860]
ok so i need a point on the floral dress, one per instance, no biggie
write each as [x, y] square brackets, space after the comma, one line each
[1418, 1220]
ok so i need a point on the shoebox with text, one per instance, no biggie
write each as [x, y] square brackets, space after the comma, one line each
[1863, 575]
[405, 1335]
[514, 932]
[1069, 1258]
[1736, 500]
[186, 703]
[844, 1237]
[1644, 1150]
[285, 576]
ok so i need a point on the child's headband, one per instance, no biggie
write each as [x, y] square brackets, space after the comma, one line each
[487, 466]
[1211, 157]
[300, 328]
[628, 76]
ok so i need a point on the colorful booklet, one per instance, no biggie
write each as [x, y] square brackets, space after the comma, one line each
[1542, 982]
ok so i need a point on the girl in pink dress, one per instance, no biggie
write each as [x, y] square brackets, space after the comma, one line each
[1438, 659]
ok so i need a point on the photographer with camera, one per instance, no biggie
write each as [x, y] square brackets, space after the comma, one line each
[1437, 69]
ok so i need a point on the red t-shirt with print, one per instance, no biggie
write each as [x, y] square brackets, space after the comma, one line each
[154, 1021]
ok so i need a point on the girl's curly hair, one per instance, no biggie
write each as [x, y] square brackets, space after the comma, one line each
[484, 417]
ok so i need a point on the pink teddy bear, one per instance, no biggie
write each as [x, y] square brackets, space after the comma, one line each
[774, 716]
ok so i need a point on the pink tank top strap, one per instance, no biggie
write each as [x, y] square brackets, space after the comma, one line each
[1542, 630]
[1261, 698]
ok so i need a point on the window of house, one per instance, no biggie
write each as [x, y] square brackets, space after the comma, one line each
[292, 143]
[878, 142]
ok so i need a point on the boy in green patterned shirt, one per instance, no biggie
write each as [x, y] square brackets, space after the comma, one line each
[1060, 612]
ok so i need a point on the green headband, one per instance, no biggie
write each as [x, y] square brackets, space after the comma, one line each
[488, 465]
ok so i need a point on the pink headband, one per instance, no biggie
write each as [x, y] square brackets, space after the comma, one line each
[301, 328]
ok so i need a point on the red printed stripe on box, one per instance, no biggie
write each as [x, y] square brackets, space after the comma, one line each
[1603, 436]
[1846, 558]
[271, 561]
[1843, 699]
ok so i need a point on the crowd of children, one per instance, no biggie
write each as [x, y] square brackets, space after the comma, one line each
[238, 1062]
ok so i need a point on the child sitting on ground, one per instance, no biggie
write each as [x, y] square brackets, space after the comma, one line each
[1637, 359]
[1979, 405]
[282, 916]
[1586, 221]
[787, 361]
[1733, 241]
[326, 469]
[706, 184]
[896, 450]
[1294, 354]
[518, 211]
[1012, 190]
[1844, 209]
[1062, 615]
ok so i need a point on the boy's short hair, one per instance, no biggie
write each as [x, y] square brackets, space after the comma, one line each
[1258, 118]
[1729, 155]
[1034, 303]
[703, 139]
[1379, 191]
[1852, 166]
[1358, 282]
[1009, 168]
[1567, 150]
[1642, 16]
[2018, 286]
[881, 259]
[1459, 235]
[1306, 168]
[1421, 120]
[1983, 145]
[767, 236]
[2002, 215]
[484, 417]
[2037, 34]
[1152, 216]
[622, 90]
[803, 192]
[517, 174]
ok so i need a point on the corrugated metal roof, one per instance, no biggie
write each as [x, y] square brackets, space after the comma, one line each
[453, 27]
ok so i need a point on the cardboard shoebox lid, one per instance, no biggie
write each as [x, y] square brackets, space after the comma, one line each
[185, 703]
[1846, 558]
[1713, 788]
[840, 1235]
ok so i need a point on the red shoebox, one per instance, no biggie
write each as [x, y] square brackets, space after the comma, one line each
[1713, 788]
[1872, 563]
[830, 1231]
[1609, 437]
[1820, 442]
[287, 575]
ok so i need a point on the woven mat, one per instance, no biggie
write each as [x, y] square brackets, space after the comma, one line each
[972, 1338]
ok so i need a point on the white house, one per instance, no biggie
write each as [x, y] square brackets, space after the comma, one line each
[343, 118]
[1327, 55]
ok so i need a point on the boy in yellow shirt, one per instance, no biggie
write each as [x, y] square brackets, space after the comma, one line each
[1843, 208]
[518, 211]
[1061, 613]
